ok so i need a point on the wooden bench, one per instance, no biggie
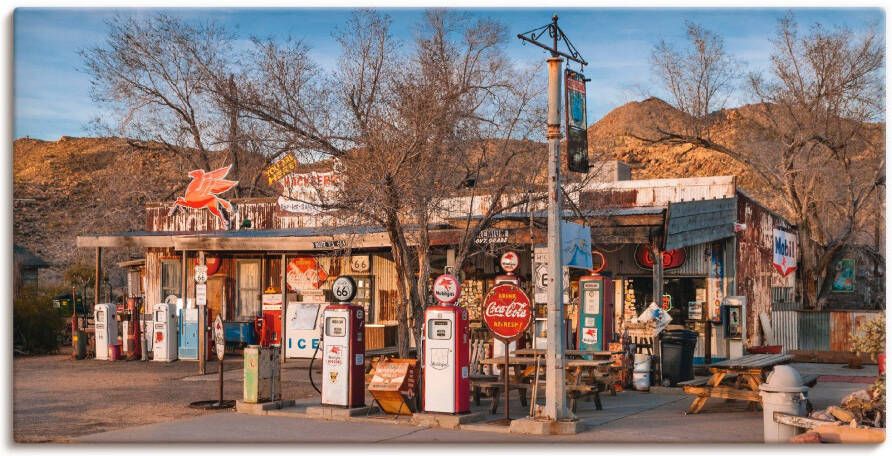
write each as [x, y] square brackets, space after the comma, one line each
[493, 388]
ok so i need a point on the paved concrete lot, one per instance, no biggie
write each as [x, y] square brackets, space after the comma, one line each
[57, 399]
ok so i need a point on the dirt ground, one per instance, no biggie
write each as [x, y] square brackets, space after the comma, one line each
[56, 398]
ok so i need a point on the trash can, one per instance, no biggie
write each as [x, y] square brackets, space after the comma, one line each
[641, 372]
[782, 392]
[677, 355]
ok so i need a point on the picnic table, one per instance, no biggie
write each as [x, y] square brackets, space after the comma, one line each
[734, 379]
[584, 379]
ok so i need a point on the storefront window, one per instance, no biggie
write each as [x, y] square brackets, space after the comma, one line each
[171, 278]
[248, 284]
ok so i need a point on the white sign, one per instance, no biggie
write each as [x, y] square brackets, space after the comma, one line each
[540, 277]
[359, 263]
[219, 337]
[785, 246]
[306, 193]
[201, 273]
[344, 289]
[446, 289]
[201, 294]
[509, 261]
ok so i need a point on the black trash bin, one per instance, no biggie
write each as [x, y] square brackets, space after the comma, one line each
[677, 351]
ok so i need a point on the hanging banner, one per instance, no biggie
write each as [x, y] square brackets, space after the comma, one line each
[202, 192]
[577, 125]
[576, 245]
[785, 246]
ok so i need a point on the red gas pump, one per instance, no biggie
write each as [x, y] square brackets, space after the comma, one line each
[134, 339]
[269, 324]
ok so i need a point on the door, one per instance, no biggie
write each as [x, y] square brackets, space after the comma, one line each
[247, 305]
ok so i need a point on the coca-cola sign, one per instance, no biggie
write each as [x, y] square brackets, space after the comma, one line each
[507, 311]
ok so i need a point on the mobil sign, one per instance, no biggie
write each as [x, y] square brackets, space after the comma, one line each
[785, 246]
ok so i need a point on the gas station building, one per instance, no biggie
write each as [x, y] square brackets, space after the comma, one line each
[715, 242]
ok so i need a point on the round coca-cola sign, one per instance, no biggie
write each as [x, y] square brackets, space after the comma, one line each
[446, 289]
[507, 311]
[509, 261]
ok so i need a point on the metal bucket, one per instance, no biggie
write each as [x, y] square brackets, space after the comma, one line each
[641, 381]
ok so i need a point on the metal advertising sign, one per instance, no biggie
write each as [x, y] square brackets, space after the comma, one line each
[201, 294]
[507, 312]
[202, 192]
[305, 273]
[344, 289]
[446, 289]
[306, 193]
[281, 168]
[201, 274]
[509, 261]
[219, 339]
[785, 246]
[577, 125]
[671, 258]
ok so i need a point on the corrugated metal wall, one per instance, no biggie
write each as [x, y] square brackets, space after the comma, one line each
[818, 330]
[622, 263]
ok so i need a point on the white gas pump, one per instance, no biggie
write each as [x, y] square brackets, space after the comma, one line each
[106, 328]
[446, 351]
[164, 339]
[343, 348]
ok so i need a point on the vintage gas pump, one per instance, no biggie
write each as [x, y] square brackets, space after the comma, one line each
[164, 339]
[187, 348]
[595, 325]
[343, 348]
[269, 324]
[132, 328]
[446, 351]
[106, 327]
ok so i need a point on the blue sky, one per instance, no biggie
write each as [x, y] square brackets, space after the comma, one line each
[52, 92]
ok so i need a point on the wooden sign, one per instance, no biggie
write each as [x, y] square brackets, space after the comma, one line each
[393, 382]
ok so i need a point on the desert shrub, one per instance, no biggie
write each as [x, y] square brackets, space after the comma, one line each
[36, 323]
[871, 337]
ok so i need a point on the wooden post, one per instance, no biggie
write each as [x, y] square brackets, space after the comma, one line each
[97, 276]
[283, 287]
[202, 332]
[658, 299]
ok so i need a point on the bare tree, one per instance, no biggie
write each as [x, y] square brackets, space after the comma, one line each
[814, 138]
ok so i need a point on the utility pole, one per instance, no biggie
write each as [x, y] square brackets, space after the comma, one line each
[202, 325]
[555, 377]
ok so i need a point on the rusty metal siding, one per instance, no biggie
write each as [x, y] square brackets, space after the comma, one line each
[785, 324]
[755, 275]
[814, 331]
[841, 326]
[622, 263]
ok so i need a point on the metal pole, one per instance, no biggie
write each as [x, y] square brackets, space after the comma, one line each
[505, 375]
[202, 333]
[283, 285]
[555, 386]
[220, 402]
[98, 276]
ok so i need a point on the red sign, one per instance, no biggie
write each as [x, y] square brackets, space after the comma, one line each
[202, 192]
[213, 264]
[507, 311]
[305, 273]
[666, 302]
[446, 289]
[509, 261]
[671, 258]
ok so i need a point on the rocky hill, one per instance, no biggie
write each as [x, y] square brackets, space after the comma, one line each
[84, 185]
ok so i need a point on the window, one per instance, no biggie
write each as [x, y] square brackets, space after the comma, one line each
[247, 305]
[171, 278]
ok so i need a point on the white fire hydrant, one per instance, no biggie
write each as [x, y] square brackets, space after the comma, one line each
[782, 392]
